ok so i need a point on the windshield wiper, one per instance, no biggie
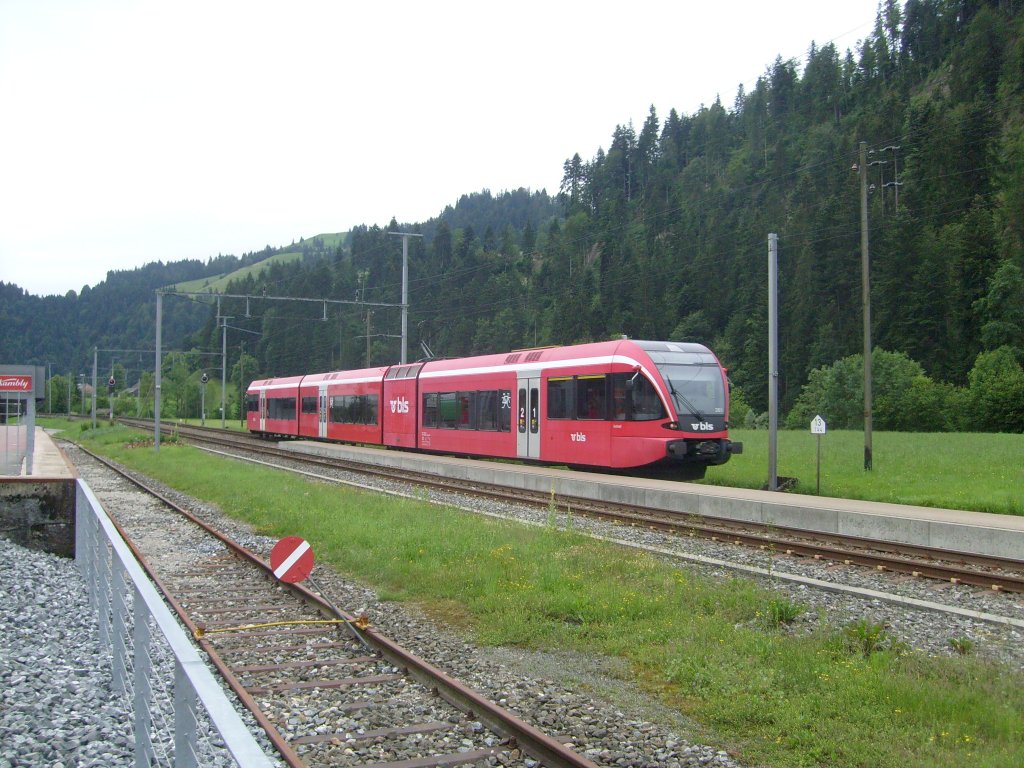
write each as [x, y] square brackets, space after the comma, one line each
[685, 403]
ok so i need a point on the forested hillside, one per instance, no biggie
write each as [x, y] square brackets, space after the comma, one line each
[118, 313]
[663, 234]
[670, 224]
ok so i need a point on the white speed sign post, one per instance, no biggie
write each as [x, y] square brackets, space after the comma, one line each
[818, 428]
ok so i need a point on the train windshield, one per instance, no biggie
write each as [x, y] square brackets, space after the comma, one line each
[695, 389]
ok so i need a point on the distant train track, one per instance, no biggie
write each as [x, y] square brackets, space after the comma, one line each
[287, 651]
[955, 567]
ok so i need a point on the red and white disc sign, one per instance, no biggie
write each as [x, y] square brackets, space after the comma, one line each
[291, 559]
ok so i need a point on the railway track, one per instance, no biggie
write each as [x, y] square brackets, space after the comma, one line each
[326, 686]
[953, 567]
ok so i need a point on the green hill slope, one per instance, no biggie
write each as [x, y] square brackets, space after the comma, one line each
[217, 284]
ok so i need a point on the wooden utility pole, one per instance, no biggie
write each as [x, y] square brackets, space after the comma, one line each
[865, 299]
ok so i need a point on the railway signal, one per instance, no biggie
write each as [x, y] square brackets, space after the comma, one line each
[202, 406]
[291, 559]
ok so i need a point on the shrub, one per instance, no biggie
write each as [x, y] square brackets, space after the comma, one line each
[904, 399]
[931, 406]
[739, 410]
[996, 394]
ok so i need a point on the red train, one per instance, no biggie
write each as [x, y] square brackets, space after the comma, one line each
[612, 405]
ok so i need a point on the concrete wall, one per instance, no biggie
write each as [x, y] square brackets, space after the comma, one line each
[39, 514]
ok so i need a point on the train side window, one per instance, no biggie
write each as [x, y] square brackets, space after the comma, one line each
[372, 408]
[309, 404]
[464, 410]
[446, 408]
[646, 403]
[430, 409]
[281, 408]
[252, 403]
[354, 409]
[622, 401]
[638, 401]
[590, 397]
[522, 410]
[348, 409]
[560, 397]
[487, 410]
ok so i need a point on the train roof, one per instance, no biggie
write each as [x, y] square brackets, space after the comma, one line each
[619, 350]
[678, 352]
[360, 374]
[277, 381]
[284, 382]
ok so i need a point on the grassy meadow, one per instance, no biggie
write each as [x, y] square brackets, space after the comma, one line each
[984, 472]
[219, 283]
[715, 650]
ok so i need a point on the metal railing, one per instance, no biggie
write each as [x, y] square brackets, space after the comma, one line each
[15, 431]
[181, 715]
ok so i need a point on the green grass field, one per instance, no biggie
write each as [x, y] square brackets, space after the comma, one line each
[983, 472]
[218, 284]
[974, 471]
[712, 649]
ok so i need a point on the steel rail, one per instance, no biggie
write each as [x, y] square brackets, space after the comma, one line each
[281, 744]
[943, 565]
[529, 739]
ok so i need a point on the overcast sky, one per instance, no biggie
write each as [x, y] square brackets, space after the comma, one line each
[137, 131]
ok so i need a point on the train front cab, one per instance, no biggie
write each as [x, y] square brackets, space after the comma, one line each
[595, 416]
[627, 405]
[696, 390]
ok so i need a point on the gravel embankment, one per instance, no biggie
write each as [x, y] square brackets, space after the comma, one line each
[83, 725]
[923, 631]
[57, 710]
[55, 704]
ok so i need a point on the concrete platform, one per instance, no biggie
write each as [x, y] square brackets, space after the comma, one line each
[37, 510]
[974, 532]
[47, 459]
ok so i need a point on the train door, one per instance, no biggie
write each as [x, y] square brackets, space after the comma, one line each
[263, 410]
[322, 411]
[528, 417]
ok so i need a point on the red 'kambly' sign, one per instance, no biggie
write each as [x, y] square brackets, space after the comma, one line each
[291, 559]
[15, 383]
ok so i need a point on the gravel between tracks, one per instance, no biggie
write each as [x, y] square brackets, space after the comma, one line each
[562, 694]
[923, 631]
[56, 710]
